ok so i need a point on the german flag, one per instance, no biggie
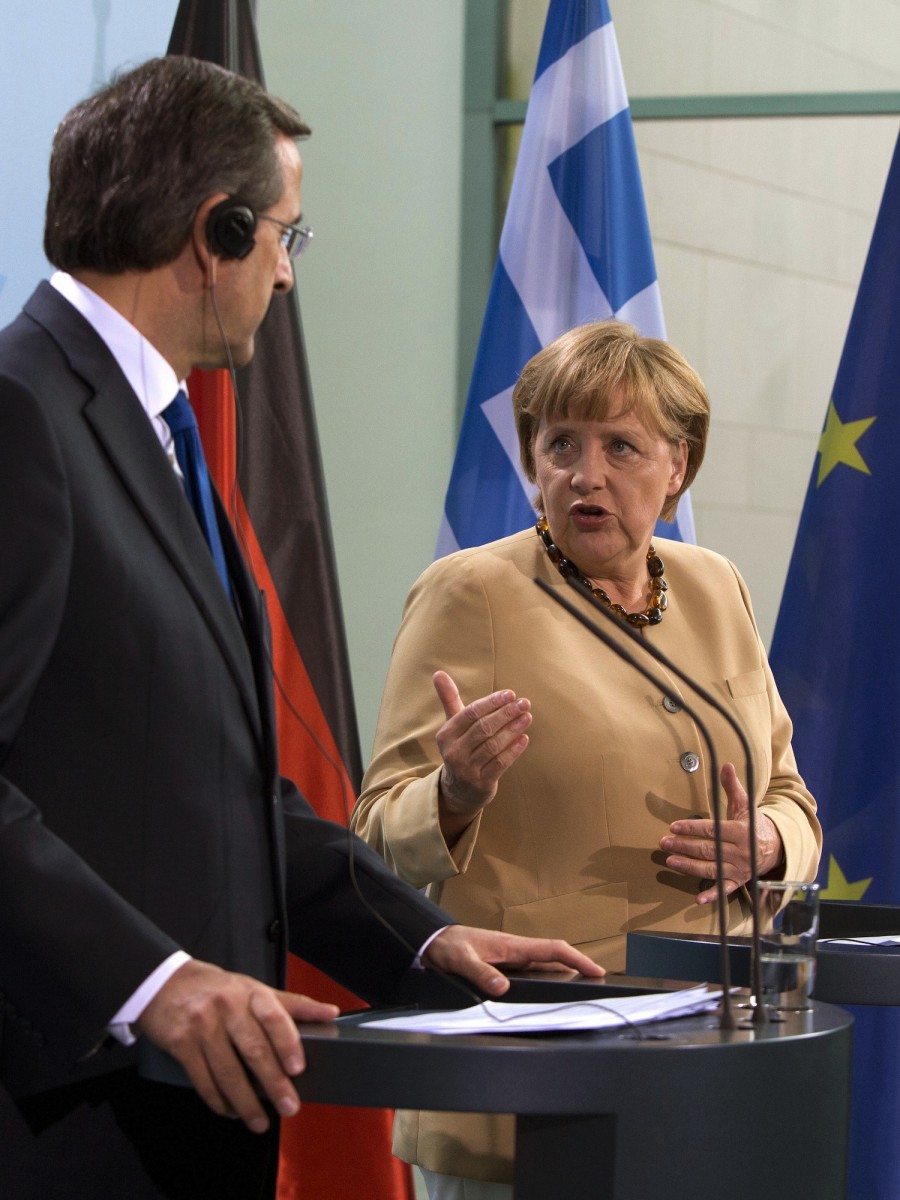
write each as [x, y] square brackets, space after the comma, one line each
[269, 472]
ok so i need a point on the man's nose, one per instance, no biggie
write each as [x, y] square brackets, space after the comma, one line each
[284, 273]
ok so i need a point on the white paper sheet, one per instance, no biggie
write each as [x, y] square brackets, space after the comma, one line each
[888, 939]
[494, 1016]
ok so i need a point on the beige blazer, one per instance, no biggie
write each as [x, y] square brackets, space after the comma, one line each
[569, 847]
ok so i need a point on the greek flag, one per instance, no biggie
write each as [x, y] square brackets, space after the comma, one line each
[575, 247]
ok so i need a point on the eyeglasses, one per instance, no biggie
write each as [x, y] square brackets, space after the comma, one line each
[295, 238]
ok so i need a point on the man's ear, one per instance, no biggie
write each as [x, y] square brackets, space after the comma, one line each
[223, 228]
[230, 228]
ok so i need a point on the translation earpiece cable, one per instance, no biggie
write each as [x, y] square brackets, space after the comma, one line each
[454, 980]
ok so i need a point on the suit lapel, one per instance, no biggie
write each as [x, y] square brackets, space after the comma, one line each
[255, 619]
[120, 425]
[138, 459]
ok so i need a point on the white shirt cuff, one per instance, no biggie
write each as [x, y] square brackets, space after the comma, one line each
[120, 1025]
[418, 965]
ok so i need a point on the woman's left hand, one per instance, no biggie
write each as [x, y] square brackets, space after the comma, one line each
[691, 848]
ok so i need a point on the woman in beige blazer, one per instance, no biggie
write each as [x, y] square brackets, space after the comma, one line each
[525, 774]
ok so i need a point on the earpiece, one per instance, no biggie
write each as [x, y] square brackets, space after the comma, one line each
[230, 227]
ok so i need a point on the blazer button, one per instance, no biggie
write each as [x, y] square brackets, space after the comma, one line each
[273, 930]
[671, 705]
[689, 761]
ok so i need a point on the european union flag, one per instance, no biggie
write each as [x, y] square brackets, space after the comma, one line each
[836, 657]
[575, 247]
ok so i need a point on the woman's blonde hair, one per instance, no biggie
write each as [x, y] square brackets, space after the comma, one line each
[607, 366]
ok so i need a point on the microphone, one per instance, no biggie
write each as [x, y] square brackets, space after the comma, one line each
[760, 1016]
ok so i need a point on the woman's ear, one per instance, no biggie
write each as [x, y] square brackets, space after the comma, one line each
[679, 467]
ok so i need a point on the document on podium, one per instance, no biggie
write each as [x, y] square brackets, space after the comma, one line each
[888, 941]
[493, 1016]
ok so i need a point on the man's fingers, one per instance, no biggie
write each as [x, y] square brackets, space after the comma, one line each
[484, 976]
[270, 1014]
[476, 953]
[198, 1072]
[304, 1008]
[268, 1044]
[235, 1037]
[206, 1052]
[548, 955]
[262, 1052]
[300, 1008]
[229, 1059]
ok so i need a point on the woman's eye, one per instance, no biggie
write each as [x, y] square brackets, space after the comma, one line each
[560, 445]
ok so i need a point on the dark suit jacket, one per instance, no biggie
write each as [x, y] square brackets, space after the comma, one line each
[140, 805]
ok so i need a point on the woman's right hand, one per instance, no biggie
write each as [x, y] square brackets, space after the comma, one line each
[478, 742]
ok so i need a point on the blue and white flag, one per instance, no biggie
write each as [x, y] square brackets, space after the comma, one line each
[575, 247]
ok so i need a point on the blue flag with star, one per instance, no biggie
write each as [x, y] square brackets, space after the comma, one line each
[575, 247]
[836, 658]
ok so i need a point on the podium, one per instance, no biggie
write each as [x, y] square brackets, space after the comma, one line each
[845, 974]
[866, 976]
[679, 1109]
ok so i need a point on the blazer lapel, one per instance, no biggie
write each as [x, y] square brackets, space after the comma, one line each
[138, 459]
[255, 619]
[133, 450]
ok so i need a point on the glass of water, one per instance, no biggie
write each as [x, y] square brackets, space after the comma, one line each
[790, 926]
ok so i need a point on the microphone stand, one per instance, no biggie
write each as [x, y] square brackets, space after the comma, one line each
[759, 1017]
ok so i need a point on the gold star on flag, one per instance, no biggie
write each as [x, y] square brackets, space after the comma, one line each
[838, 888]
[838, 444]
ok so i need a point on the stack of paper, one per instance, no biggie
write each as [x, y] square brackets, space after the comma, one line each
[496, 1017]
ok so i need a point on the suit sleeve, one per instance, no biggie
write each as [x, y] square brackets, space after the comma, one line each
[446, 625]
[71, 950]
[348, 914]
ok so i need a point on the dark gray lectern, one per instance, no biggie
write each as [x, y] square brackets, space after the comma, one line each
[845, 973]
[679, 1111]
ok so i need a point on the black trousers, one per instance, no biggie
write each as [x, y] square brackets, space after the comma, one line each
[121, 1137]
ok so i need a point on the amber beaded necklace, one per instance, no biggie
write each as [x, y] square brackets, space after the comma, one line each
[659, 601]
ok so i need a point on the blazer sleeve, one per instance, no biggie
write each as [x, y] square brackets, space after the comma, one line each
[785, 799]
[446, 625]
[348, 914]
[71, 949]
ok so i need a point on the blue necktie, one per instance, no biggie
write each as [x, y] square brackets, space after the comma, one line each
[179, 416]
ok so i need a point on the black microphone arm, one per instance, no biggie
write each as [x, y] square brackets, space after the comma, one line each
[760, 1017]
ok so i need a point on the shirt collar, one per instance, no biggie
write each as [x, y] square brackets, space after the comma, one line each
[150, 375]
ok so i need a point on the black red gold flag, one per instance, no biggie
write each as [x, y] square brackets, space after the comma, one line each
[279, 507]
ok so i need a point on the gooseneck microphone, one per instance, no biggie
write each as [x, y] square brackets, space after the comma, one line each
[760, 1017]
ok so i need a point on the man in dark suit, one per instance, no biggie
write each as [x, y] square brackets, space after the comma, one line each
[154, 868]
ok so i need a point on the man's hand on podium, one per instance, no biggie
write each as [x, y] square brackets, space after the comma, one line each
[227, 1031]
[476, 953]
